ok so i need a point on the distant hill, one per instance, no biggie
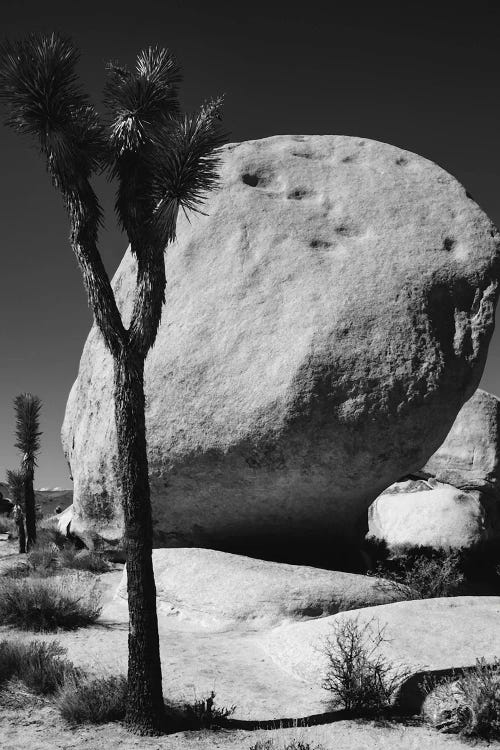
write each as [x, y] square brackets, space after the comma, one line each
[48, 500]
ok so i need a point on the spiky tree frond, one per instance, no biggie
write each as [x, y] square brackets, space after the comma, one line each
[139, 101]
[15, 480]
[39, 89]
[186, 161]
[27, 409]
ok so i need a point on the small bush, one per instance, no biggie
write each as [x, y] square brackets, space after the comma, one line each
[83, 560]
[204, 714]
[92, 700]
[44, 604]
[423, 574]
[470, 705]
[37, 664]
[359, 677]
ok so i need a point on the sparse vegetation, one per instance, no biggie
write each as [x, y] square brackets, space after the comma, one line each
[358, 675]
[39, 665]
[469, 705]
[7, 526]
[46, 604]
[48, 560]
[204, 713]
[83, 699]
[421, 572]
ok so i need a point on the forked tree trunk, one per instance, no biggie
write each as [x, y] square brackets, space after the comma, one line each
[145, 708]
[29, 508]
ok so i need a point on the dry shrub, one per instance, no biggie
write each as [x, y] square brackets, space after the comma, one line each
[37, 664]
[358, 676]
[469, 705]
[423, 574]
[46, 604]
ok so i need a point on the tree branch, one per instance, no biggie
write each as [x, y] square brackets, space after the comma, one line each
[83, 209]
[149, 297]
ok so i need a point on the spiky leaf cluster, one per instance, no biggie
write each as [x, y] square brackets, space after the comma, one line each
[27, 409]
[15, 480]
[186, 165]
[142, 100]
[42, 97]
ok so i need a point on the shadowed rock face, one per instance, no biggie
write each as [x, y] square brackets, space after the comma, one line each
[324, 324]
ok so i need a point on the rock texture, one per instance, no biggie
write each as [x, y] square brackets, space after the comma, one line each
[456, 502]
[323, 325]
[469, 458]
[428, 635]
[209, 588]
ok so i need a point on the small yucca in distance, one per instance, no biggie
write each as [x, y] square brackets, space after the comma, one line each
[27, 409]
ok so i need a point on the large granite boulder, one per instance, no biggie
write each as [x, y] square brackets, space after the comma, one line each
[323, 325]
[211, 589]
[454, 501]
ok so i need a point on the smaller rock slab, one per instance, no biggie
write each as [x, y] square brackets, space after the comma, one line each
[213, 589]
[416, 512]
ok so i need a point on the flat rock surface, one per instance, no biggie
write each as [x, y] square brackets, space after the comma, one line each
[428, 634]
[323, 325]
[212, 589]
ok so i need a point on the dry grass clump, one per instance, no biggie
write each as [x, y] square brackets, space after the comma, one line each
[358, 675]
[46, 604]
[7, 526]
[469, 705]
[37, 664]
[84, 699]
[49, 560]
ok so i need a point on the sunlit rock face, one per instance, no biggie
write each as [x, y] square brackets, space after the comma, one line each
[324, 323]
[454, 501]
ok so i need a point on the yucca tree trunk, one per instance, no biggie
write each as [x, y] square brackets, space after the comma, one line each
[145, 708]
[30, 511]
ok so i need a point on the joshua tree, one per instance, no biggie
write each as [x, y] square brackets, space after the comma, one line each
[27, 408]
[162, 160]
[15, 480]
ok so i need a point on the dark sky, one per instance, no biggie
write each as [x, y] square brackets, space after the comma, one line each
[423, 76]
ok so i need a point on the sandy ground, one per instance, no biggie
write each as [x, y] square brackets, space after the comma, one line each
[195, 662]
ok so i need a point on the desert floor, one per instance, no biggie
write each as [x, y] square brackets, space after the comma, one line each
[194, 663]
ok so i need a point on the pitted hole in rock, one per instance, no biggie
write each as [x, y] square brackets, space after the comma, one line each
[320, 244]
[302, 154]
[402, 161]
[298, 194]
[349, 158]
[252, 180]
[448, 244]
